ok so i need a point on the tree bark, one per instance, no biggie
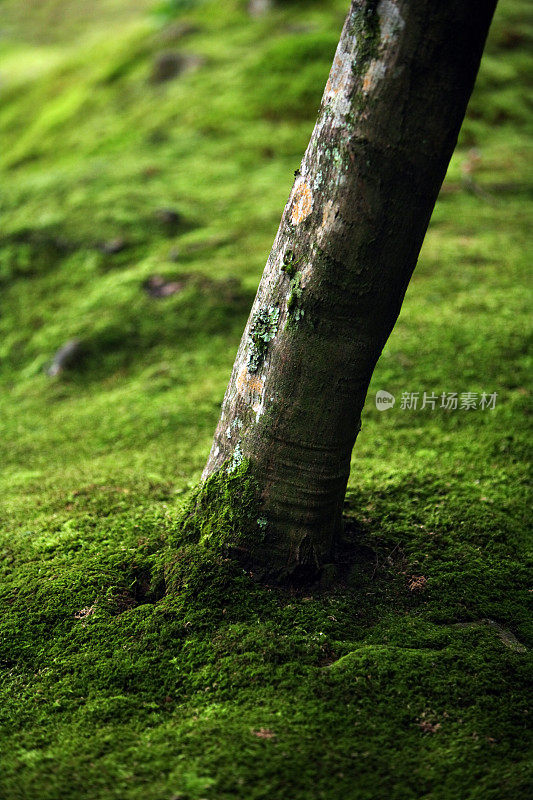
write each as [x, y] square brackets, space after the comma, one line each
[343, 256]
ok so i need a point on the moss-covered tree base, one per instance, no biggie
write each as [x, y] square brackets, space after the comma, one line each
[224, 514]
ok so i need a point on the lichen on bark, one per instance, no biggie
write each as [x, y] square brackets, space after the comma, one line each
[295, 311]
[262, 330]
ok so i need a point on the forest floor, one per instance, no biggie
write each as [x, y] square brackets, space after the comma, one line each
[148, 150]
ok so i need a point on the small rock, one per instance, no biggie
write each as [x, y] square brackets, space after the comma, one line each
[65, 357]
[169, 65]
[157, 286]
[257, 8]
[113, 246]
[166, 66]
[168, 217]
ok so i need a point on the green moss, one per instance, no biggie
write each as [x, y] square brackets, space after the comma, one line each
[263, 329]
[295, 292]
[366, 29]
[286, 78]
[295, 312]
[289, 263]
[222, 510]
[137, 657]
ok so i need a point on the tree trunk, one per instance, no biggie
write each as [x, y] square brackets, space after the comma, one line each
[345, 250]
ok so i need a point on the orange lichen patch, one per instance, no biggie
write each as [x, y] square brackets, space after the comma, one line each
[249, 383]
[302, 203]
[250, 387]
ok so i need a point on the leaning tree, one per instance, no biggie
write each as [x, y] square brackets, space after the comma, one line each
[332, 288]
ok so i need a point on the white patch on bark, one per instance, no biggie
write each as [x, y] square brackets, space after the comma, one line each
[236, 458]
[390, 21]
[390, 25]
[337, 91]
[318, 180]
[259, 409]
[375, 72]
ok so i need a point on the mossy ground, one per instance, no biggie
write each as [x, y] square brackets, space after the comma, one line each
[135, 666]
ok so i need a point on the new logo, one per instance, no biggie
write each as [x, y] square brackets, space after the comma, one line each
[384, 400]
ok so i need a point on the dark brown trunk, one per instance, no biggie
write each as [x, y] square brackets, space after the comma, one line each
[345, 250]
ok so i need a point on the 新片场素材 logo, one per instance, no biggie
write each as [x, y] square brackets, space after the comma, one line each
[384, 400]
[431, 401]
